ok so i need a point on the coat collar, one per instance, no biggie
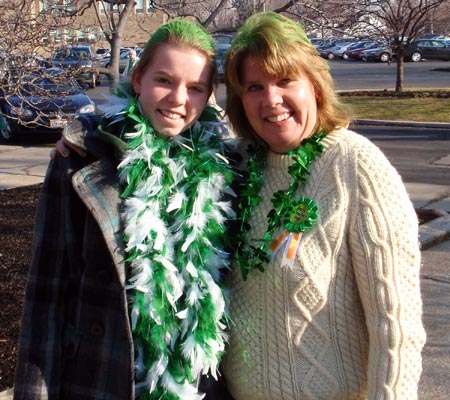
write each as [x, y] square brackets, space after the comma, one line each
[98, 187]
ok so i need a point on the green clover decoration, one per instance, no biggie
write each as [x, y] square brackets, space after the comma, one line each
[300, 215]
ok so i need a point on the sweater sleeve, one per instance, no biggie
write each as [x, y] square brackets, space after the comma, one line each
[386, 259]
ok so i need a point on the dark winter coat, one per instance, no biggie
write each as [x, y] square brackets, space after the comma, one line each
[75, 340]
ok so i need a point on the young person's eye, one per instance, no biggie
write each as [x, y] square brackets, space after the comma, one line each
[198, 89]
[252, 88]
[162, 79]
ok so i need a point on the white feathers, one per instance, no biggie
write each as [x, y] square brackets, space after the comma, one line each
[161, 224]
[183, 391]
[155, 372]
[176, 201]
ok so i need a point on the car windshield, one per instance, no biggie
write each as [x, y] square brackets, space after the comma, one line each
[71, 54]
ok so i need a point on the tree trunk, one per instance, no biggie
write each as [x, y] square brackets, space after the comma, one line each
[399, 81]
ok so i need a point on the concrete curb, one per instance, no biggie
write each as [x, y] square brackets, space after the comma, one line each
[414, 124]
[434, 232]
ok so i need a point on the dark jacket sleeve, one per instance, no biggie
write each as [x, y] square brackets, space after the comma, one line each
[49, 286]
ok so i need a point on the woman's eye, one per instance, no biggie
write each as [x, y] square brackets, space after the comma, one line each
[285, 81]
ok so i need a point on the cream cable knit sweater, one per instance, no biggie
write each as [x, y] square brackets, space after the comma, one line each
[345, 321]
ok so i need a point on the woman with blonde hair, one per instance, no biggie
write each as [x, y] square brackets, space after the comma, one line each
[325, 296]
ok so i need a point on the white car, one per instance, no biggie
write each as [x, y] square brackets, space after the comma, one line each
[332, 52]
[339, 51]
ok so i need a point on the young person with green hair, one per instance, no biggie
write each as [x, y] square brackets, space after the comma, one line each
[325, 290]
[124, 298]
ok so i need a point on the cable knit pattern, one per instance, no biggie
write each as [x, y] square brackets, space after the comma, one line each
[345, 321]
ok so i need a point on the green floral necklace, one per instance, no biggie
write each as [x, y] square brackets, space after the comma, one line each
[296, 215]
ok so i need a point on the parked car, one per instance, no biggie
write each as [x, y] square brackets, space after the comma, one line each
[381, 53]
[15, 63]
[80, 60]
[221, 49]
[222, 38]
[354, 53]
[339, 50]
[316, 41]
[102, 52]
[104, 62]
[432, 49]
[332, 51]
[45, 100]
[360, 44]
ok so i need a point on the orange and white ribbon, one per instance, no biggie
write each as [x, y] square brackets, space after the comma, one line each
[289, 242]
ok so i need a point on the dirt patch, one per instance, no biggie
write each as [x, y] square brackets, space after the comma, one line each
[17, 212]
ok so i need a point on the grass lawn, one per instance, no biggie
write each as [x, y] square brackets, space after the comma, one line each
[423, 106]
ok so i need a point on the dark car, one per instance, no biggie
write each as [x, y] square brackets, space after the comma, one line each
[430, 49]
[46, 100]
[358, 45]
[79, 60]
[221, 49]
[381, 53]
[354, 54]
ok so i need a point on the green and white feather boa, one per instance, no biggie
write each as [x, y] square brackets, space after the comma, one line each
[174, 232]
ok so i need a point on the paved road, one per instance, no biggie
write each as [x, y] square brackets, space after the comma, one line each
[349, 75]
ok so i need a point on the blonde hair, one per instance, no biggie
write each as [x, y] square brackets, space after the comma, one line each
[282, 48]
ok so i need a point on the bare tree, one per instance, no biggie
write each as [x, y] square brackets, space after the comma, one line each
[24, 42]
[117, 13]
[399, 22]
[204, 12]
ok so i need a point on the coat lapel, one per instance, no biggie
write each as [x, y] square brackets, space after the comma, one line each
[98, 187]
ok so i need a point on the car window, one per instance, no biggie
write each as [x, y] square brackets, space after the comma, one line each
[59, 84]
[71, 54]
[436, 43]
[66, 54]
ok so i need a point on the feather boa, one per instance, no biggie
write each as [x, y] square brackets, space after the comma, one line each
[174, 233]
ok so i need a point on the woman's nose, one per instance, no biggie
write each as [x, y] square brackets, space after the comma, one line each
[273, 97]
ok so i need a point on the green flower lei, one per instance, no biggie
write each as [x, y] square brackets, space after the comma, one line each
[297, 216]
[174, 233]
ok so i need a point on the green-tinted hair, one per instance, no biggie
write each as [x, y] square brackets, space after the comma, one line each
[180, 33]
[282, 48]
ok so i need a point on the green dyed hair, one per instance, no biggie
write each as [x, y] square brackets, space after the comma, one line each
[184, 34]
[282, 48]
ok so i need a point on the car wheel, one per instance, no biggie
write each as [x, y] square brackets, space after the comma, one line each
[416, 56]
[345, 56]
[93, 81]
[384, 57]
[6, 131]
[330, 56]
